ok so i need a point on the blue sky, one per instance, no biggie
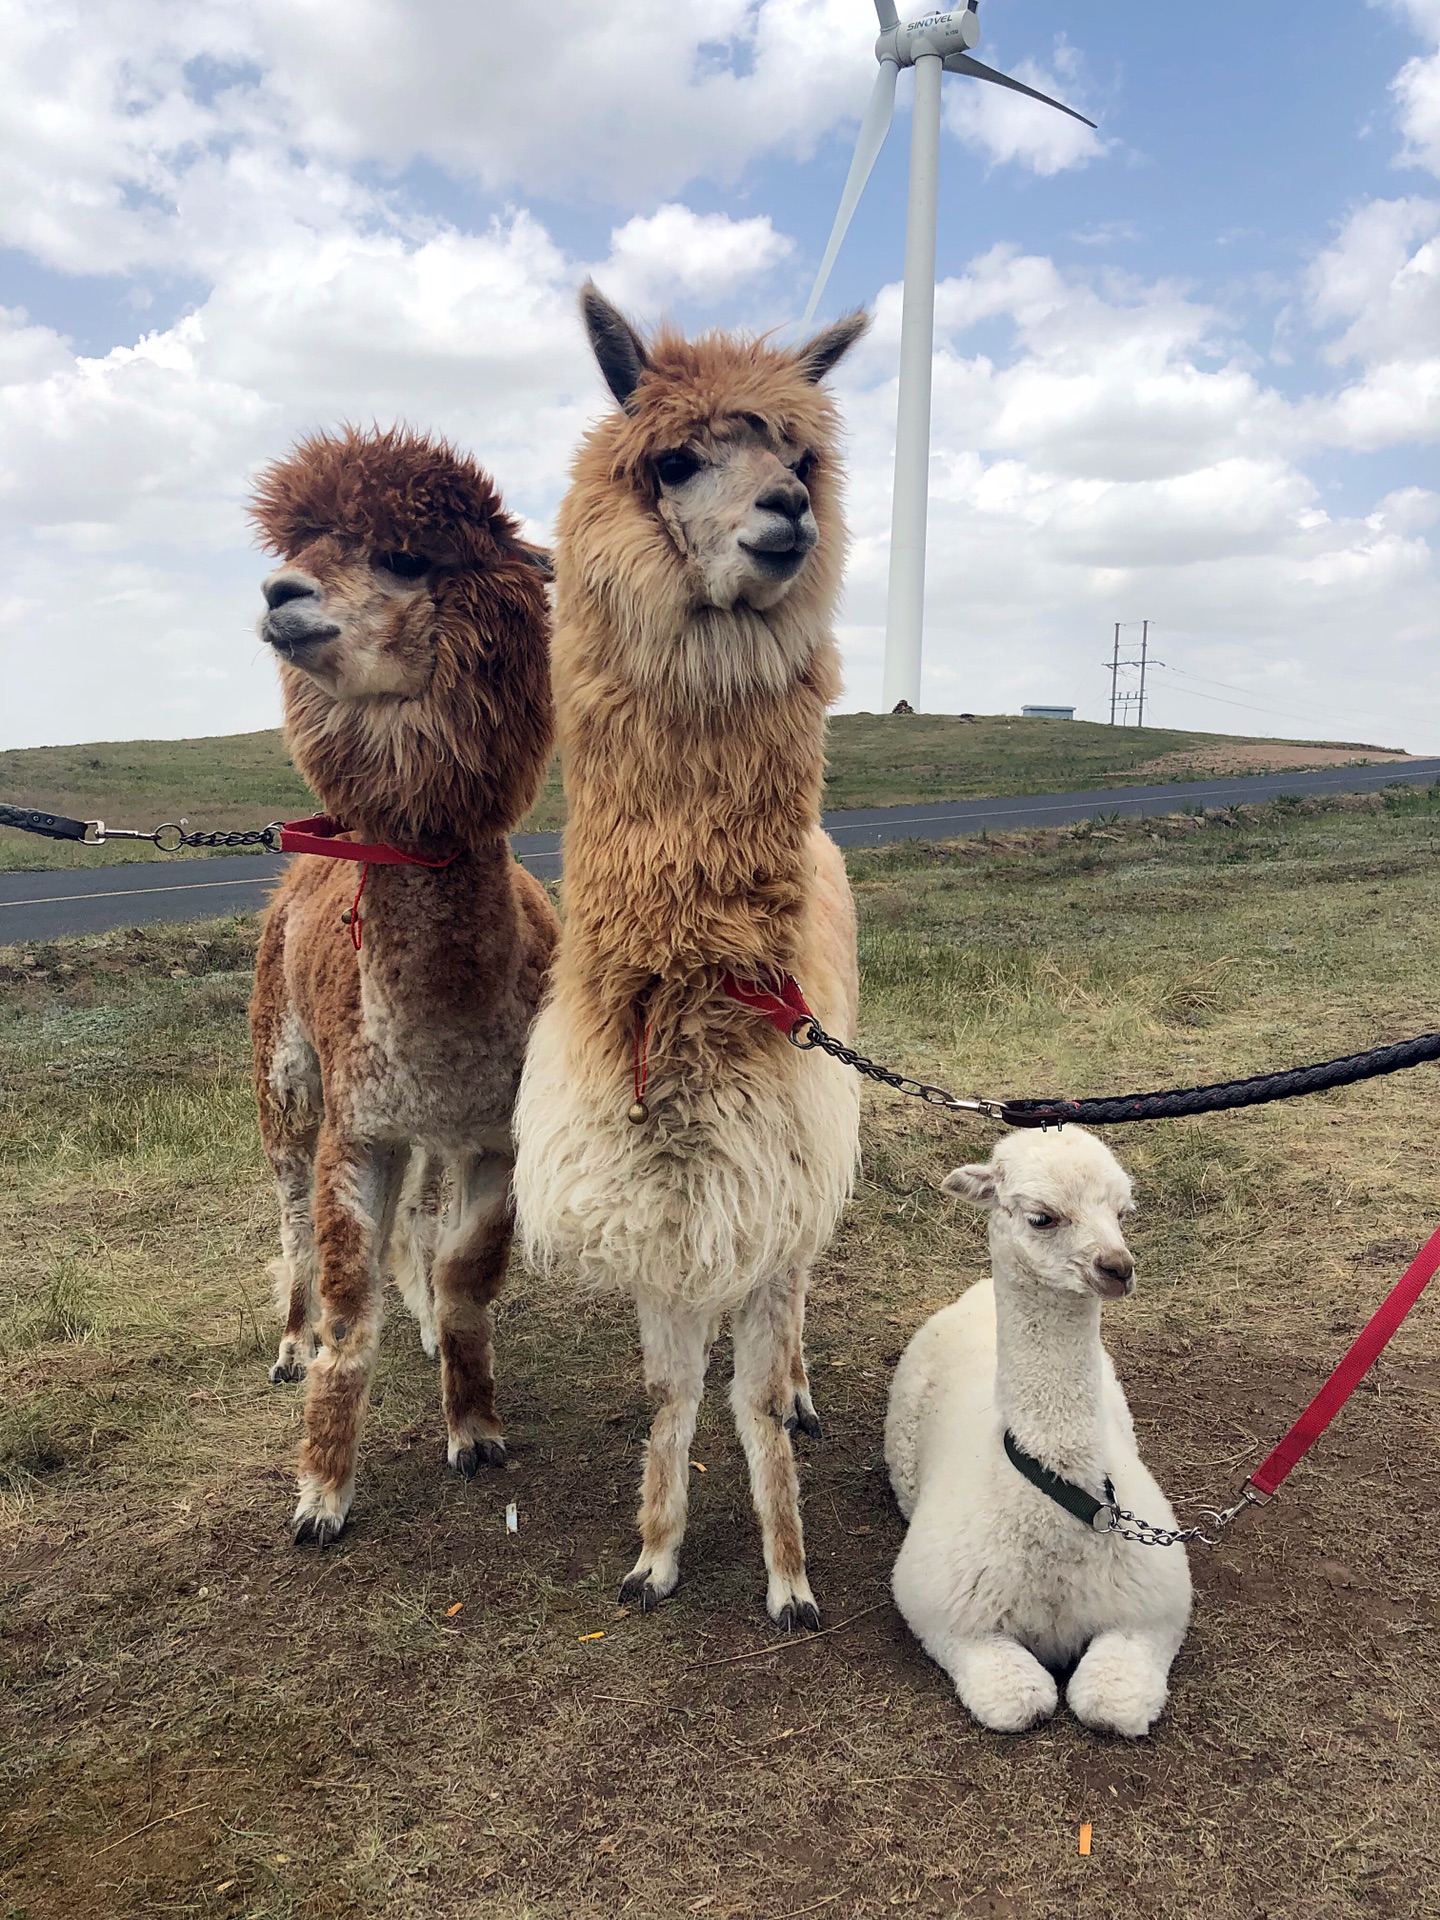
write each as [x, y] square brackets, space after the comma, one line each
[1187, 369]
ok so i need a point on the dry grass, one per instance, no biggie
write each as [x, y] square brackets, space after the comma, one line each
[200, 1721]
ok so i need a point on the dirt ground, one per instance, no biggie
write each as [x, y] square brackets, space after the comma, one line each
[439, 1720]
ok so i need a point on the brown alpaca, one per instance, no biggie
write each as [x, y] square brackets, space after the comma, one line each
[410, 624]
[697, 566]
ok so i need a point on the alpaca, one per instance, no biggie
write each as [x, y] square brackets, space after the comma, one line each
[698, 559]
[410, 625]
[998, 1582]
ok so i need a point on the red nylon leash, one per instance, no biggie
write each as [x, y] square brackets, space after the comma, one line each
[318, 835]
[1287, 1454]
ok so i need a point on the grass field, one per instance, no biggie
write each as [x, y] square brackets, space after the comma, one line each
[199, 1720]
[246, 779]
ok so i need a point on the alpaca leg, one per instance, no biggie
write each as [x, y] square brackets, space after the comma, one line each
[676, 1346]
[1000, 1682]
[1121, 1682]
[763, 1395]
[357, 1186]
[411, 1254]
[469, 1271]
[802, 1414]
[291, 1103]
[294, 1272]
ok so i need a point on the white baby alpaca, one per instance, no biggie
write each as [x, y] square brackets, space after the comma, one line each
[998, 1582]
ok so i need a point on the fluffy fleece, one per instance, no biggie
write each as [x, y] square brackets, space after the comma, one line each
[411, 628]
[691, 692]
[1001, 1585]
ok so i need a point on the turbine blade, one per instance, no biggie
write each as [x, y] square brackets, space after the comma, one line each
[873, 129]
[888, 16]
[977, 69]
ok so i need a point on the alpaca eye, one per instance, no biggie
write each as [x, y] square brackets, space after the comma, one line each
[404, 566]
[804, 467]
[1041, 1221]
[674, 469]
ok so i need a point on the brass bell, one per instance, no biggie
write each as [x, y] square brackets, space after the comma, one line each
[638, 1114]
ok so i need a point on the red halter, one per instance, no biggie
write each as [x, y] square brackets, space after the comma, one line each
[318, 835]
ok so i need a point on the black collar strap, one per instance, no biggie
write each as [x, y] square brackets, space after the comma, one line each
[1075, 1500]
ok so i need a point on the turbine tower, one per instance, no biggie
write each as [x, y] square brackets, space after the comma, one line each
[937, 44]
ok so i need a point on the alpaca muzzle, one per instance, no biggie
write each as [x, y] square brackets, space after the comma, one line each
[1113, 1276]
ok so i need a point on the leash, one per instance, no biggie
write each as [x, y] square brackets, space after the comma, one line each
[1260, 1487]
[786, 1009]
[784, 1006]
[169, 838]
[317, 834]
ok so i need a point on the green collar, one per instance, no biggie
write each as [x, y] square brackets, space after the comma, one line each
[1075, 1500]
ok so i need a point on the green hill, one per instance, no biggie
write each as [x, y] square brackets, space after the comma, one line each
[246, 779]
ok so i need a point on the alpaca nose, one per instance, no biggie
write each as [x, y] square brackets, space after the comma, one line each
[787, 496]
[1117, 1267]
[282, 587]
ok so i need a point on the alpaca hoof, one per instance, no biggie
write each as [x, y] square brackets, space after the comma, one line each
[284, 1372]
[791, 1604]
[640, 1588]
[317, 1529]
[804, 1419]
[650, 1582]
[479, 1453]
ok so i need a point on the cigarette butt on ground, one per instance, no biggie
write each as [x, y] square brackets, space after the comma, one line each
[593, 1636]
[450, 1612]
[1085, 1838]
[512, 1518]
[697, 1466]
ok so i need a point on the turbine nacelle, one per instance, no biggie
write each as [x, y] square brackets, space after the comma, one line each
[937, 33]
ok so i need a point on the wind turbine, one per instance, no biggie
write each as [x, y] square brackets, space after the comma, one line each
[938, 43]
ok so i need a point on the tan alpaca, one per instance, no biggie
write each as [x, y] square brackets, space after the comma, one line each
[697, 566]
[411, 627]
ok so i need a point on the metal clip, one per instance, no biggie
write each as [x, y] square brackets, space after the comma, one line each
[1221, 1517]
[94, 833]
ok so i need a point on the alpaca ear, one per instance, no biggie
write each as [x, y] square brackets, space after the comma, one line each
[618, 347]
[540, 558]
[819, 355]
[972, 1183]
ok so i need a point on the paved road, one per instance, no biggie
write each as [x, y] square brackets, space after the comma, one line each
[54, 905]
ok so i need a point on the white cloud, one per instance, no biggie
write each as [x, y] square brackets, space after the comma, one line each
[167, 133]
[674, 253]
[1417, 88]
[1007, 127]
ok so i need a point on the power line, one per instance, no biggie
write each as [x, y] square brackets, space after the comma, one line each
[1321, 717]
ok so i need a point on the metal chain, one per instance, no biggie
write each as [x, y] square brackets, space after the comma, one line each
[810, 1035]
[1129, 1526]
[171, 836]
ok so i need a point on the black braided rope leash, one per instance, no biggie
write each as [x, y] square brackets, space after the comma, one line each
[1168, 1104]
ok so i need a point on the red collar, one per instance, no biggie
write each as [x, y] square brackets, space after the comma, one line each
[318, 835]
[785, 1009]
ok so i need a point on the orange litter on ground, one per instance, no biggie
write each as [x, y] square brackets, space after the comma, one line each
[1085, 1838]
